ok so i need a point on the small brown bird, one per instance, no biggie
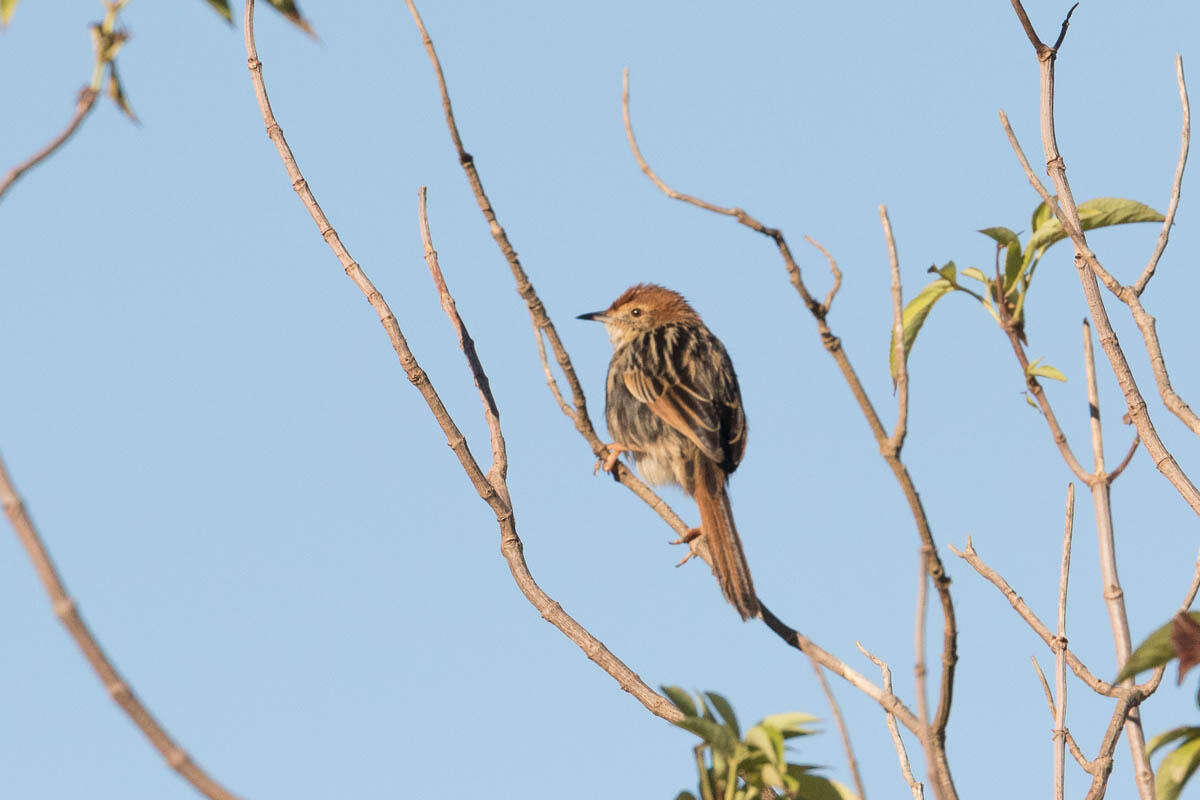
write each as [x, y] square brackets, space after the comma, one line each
[673, 402]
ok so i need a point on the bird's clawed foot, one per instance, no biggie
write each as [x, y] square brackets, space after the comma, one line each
[692, 535]
[609, 462]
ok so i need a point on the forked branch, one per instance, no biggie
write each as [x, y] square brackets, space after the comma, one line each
[492, 487]
[1089, 268]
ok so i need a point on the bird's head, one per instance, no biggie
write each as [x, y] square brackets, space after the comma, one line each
[642, 308]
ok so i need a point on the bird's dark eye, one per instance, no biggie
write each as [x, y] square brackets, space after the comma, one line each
[635, 312]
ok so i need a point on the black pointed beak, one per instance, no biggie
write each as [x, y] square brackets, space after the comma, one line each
[597, 316]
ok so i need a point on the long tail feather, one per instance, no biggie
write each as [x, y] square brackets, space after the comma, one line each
[721, 536]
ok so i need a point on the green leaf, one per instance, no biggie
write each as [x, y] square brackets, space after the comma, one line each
[914, 317]
[1013, 260]
[290, 10]
[680, 699]
[1176, 768]
[814, 787]
[769, 740]
[718, 736]
[1166, 737]
[7, 7]
[1046, 371]
[1156, 650]
[705, 712]
[1099, 212]
[976, 273]
[726, 711]
[1041, 215]
[1014, 264]
[222, 8]
[1003, 236]
[948, 272]
[790, 723]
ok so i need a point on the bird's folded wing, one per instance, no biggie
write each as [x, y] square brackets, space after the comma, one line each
[682, 407]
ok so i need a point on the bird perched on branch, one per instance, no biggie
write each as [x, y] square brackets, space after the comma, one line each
[673, 402]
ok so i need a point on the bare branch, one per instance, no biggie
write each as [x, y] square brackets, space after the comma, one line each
[890, 702]
[498, 472]
[1032, 177]
[1071, 744]
[969, 555]
[118, 688]
[918, 790]
[919, 638]
[1103, 762]
[1117, 470]
[576, 410]
[1045, 685]
[83, 106]
[833, 267]
[851, 761]
[542, 325]
[1190, 597]
[1060, 667]
[1185, 137]
[496, 498]
[741, 216]
[1039, 394]
[1062, 32]
[1082, 760]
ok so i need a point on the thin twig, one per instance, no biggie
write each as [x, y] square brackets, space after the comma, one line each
[1116, 471]
[1103, 762]
[939, 769]
[118, 688]
[919, 638]
[971, 556]
[1034, 386]
[1060, 666]
[1132, 295]
[899, 353]
[1030, 175]
[498, 472]
[833, 267]
[884, 697]
[1190, 597]
[1185, 137]
[915, 786]
[510, 543]
[741, 216]
[851, 761]
[1071, 743]
[1045, 685]
[83, 106]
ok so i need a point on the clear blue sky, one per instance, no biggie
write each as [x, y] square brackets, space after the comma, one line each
[264, 526]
